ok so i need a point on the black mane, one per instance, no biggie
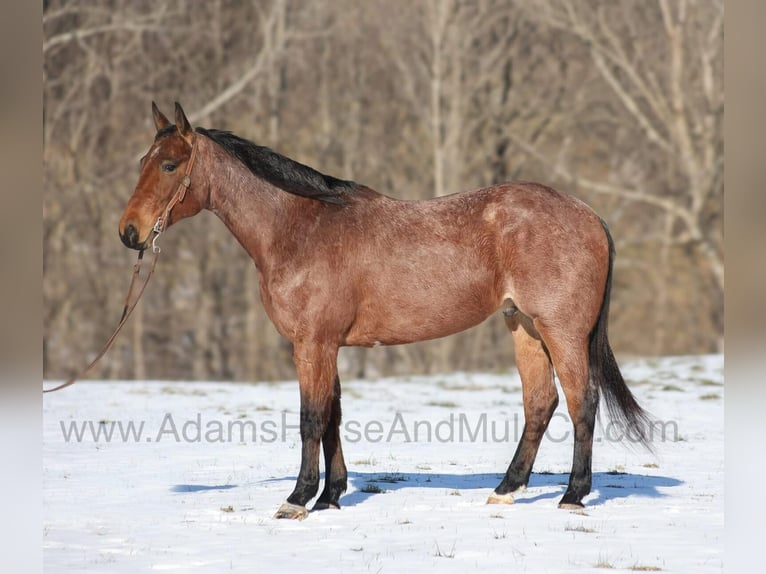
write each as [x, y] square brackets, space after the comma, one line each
[282, 171]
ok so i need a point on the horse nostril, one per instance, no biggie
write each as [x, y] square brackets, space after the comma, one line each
[130, 236]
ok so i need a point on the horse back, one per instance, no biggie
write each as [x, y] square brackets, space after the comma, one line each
[426, 269]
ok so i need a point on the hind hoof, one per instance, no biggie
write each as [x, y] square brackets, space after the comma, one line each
[291, 511]
[571, 505]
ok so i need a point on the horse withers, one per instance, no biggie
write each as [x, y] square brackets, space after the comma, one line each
[340, 264]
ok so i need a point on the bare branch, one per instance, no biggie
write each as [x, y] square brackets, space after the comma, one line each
[81, 34]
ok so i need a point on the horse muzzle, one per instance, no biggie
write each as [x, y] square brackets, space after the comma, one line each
[129, 237]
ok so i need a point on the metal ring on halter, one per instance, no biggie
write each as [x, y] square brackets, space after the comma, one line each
[157, 230]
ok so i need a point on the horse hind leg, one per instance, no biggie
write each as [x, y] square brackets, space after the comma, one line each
[540, 401]
[569, 353]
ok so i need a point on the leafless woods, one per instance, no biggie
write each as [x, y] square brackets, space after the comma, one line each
[619, 103]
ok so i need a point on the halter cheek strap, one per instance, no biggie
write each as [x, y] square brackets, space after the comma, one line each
[178, 197]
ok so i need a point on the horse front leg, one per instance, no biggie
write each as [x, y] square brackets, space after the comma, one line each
[336, 475]
[317, 371]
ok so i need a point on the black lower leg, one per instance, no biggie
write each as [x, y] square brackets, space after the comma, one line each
[336, 475]
[580, 479]
[520, 468]
[312, 427]
[540, 399]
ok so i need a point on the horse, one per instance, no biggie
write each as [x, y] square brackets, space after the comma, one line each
[340, 264]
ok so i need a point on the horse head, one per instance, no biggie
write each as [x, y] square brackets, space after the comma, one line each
[160, 197]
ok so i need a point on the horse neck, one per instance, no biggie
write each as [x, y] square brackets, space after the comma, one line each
[254, 210]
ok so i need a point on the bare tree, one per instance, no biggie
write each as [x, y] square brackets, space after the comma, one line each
[668, 86]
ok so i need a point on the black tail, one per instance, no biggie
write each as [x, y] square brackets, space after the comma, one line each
[605, 373]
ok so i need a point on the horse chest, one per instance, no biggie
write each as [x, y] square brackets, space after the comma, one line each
[299, 304]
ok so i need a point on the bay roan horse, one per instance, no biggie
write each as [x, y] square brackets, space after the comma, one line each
[340, 264]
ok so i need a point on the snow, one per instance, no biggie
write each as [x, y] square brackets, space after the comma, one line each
[184, 496]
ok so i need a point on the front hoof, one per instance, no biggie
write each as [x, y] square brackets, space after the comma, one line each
[495, 498]
[506, 498]
[291, 511]
[320, 505]
[571, 505]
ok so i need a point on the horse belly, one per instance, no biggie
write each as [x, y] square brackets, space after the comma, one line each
[410, 310]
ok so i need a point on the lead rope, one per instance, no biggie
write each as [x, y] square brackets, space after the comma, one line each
[126, 312]
[159, 227]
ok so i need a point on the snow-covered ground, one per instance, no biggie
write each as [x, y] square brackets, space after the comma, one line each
[192, 485]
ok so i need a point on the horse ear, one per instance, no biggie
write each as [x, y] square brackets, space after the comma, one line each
[160, 121]
[183, 125]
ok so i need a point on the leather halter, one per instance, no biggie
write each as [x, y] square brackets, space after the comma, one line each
[178, 197]
[159, 227]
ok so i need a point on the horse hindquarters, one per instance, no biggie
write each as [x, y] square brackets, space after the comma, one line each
[562, 283]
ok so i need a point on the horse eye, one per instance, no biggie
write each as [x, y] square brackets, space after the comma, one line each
[168, 167]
